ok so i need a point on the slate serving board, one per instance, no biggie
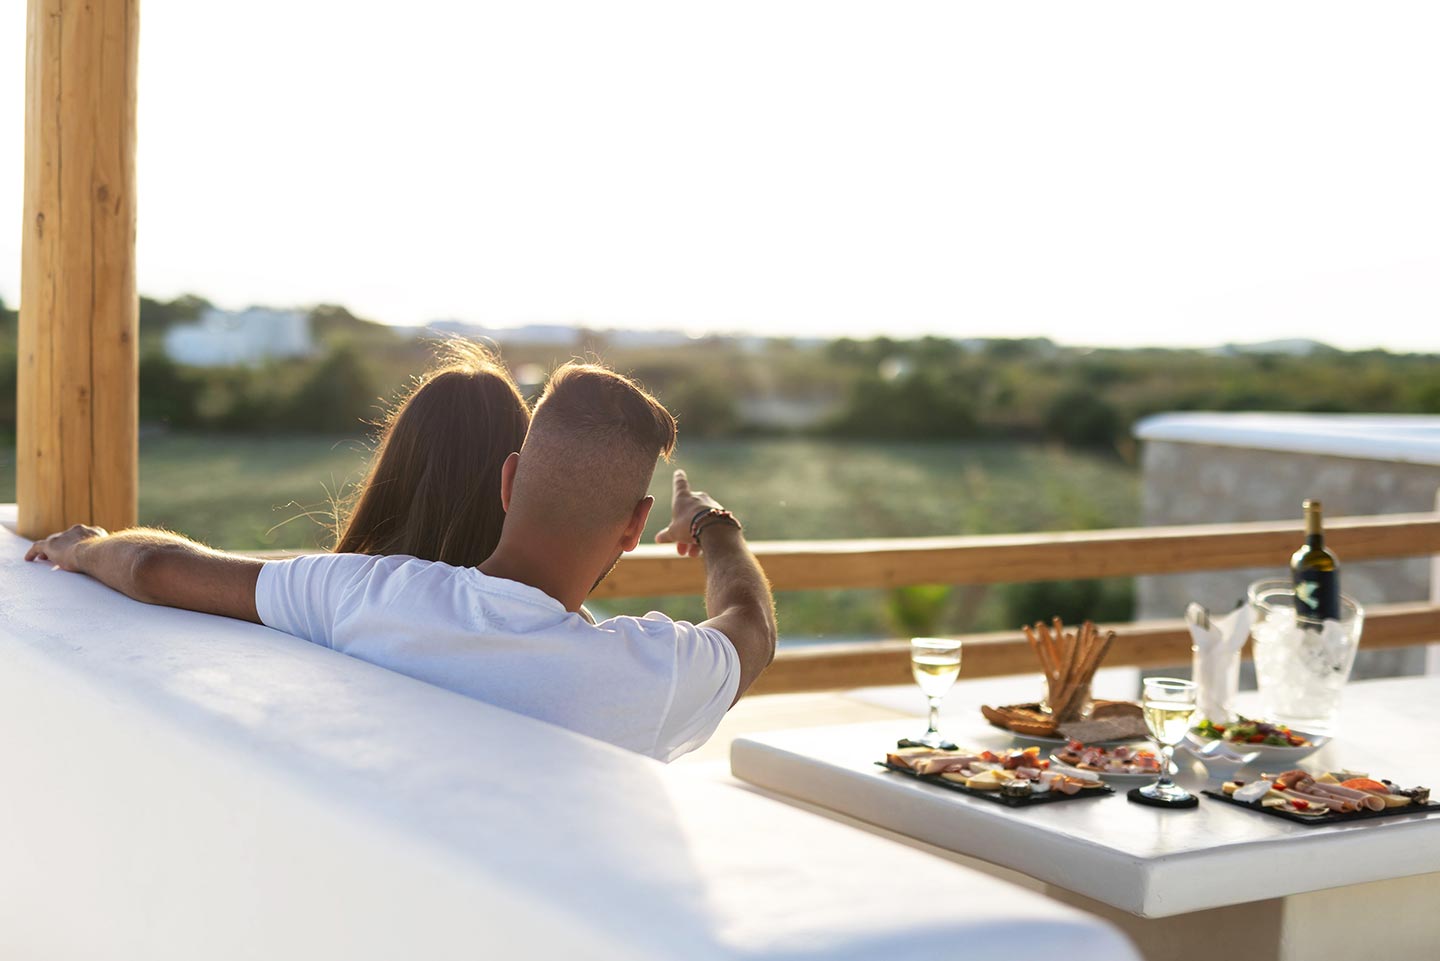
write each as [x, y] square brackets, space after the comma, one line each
[1049, 797]
[1333, 817]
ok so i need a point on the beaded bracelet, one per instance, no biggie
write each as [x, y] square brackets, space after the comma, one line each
[720, 522]
[699, 515]
[709, 517]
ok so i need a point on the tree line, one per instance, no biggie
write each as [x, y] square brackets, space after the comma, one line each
[927, 388]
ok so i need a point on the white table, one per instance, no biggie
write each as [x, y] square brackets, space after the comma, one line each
[1145, 862]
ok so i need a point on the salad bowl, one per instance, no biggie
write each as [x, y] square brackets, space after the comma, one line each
[1261, 741]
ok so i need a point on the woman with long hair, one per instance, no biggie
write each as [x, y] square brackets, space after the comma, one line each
[433, 488]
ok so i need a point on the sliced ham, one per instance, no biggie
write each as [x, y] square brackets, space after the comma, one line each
[1064, 782]
[1360, 799]
[913, 759]
[1342, 805]
[942, 762]
[1349, 792]
[1291, 778]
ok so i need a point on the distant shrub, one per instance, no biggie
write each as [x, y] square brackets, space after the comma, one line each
[1079, 416]
[1103, 601]
[337, 395]
[169, 394]
[9, 366]
[923, 405]
[703, 407]
[918, 610]
[158, 316]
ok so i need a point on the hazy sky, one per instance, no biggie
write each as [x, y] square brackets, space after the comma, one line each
[1103, 173]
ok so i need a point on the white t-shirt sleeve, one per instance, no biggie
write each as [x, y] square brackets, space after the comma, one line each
[707, 675]
[301, 596]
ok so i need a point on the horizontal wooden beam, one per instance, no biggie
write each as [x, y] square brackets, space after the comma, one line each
[1019, 558]
[800, 565]
[1150, 644]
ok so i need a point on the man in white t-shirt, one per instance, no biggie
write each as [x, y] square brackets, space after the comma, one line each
[510, 632]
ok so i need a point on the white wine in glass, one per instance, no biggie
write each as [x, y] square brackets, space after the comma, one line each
[1169, 707]
[935, 664]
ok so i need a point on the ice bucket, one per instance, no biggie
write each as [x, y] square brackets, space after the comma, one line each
[1300, 667]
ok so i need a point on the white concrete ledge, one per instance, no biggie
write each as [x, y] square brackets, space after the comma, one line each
[182, 786]
[1405, 438]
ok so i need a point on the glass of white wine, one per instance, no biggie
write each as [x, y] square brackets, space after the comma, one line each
[935, 663]
[1169, 706]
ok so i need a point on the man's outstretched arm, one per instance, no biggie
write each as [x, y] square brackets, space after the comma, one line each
[737, 594]
[157, 567]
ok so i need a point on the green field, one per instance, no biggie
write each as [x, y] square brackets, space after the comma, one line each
[276, 492]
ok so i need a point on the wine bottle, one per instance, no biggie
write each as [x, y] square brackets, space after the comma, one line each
[1315, 572]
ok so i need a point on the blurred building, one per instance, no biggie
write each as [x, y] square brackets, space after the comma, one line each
[1213, 468]
[222, 338]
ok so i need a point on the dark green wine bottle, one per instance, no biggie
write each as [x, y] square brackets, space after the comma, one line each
[1315, 572]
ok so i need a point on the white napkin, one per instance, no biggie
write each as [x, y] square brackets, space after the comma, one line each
[1217, 661]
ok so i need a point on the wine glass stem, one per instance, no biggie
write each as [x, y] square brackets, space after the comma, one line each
[1167, 751]
[934, 716]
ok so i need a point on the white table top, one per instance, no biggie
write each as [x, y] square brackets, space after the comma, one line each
[1153, 863]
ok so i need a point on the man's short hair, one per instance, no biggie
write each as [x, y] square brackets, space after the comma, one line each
[591, 450]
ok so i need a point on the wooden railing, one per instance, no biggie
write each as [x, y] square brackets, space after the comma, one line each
[1016, 558]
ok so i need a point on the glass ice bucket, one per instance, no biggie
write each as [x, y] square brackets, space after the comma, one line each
[1300, 669]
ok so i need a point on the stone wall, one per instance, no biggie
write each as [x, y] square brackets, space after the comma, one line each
[1186, 483]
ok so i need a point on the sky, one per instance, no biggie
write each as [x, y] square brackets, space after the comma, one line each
[1110, 174]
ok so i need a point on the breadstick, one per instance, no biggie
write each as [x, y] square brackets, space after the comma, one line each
[1086, 648]
[1064, 666]
[1092, 661]
[1097, 655]
[1087, 643]
[1084, 669]
[1048, 643]
[1040, 652]
[1051, 651]
[1072, 667]
[1068, 645]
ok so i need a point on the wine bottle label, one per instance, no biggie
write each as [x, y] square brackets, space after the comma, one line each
[1317, 595]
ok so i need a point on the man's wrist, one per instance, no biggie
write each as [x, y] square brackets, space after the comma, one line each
[709, 517]
[80, 553]
[719, 535]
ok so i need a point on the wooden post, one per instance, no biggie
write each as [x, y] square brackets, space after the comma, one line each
[78, 403]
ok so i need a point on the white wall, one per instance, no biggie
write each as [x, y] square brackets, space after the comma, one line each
[182, 786]
[226, 338]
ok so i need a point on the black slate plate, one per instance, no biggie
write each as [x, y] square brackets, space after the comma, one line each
[1049, 797]
[1332, 818]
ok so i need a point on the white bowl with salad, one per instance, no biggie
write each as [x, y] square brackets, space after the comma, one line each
[1274, 743]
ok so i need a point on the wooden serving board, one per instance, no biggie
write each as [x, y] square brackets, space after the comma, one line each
[1049, 797]
[1334, 817]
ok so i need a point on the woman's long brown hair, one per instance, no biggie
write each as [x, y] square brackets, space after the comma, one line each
[433, 490]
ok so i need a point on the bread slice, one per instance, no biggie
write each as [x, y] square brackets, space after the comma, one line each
[1020, 718]
[1105, 729]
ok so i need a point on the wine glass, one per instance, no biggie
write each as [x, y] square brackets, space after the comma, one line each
[1169, 706]
[935, 663]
